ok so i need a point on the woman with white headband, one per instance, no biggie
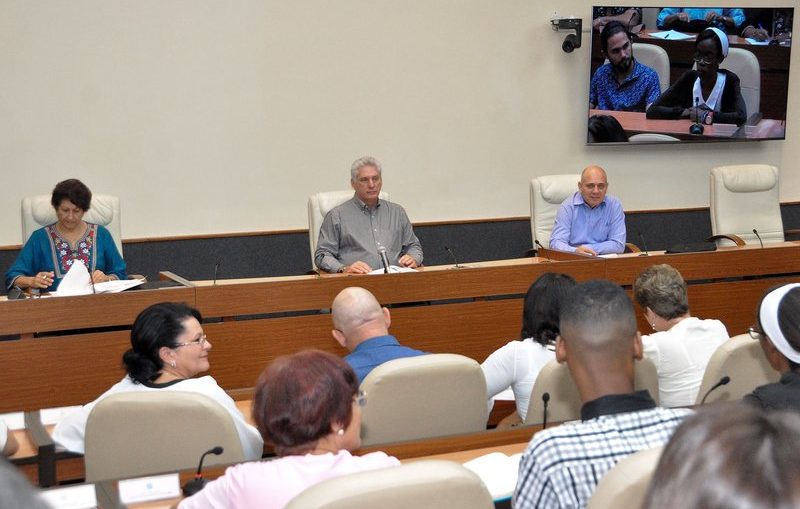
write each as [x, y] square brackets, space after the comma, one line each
[778, 331]
[708, 94]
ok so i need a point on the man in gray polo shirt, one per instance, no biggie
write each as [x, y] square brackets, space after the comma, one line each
[353, 233]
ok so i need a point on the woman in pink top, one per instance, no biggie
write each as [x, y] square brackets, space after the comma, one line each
[308, 407]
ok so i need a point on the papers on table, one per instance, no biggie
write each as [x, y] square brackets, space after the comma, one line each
[672, 35]
[78, 282]
[14, 420]
[609, 255]
[756, 42]
[498, 472]
[393, 269]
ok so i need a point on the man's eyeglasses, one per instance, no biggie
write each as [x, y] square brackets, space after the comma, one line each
[755, 333]
[199, 341]
[360, 398]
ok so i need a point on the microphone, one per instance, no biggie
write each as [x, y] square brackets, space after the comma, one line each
[545, 400]
[198, 483]
[644, 244]
[216, 270]
[759, 238]
[722, 381]
[697, 127]
[384, 259]
[538, 244]
[453, 256]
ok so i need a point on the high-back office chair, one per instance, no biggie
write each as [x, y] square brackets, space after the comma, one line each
[38, 212]
[626, 484]
[741, 359]
[565, 402]
[547, 193]
[425, 396]
[139, 433]
[656, 58]
[744, 197]
[318, 207]
[745, 65]
[421, 484]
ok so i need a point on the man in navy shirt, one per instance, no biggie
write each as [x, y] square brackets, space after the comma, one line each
[623, 84]
[361, 325]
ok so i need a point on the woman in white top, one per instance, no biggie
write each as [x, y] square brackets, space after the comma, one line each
[518, 363]
[682, 344]
[168, 349]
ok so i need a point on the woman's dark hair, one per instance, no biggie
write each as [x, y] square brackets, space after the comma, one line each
[611, 28]
[730, 455]
[73, 190]
[605, 129]
[299, 398]
[788, 319]
[542, 306]
[157, 326]
[710, 34]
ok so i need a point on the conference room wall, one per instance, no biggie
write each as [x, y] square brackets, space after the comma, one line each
[211, 117]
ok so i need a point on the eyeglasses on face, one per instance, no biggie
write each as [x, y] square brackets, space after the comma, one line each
[755, 332]
[704, 59]
[199, 341]
[360, 398]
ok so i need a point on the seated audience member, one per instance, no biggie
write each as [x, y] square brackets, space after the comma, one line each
[168, 349]
[730, 456]
[696, 20]
[681, 344]
[605, 129]
[624, 83]
[517, 364]
[15, 490]
[48, 254]
[8, 443]
[708, 94]
[628, 16]
[361, 325]
[307, 406]
[774, 25]
[778, 331]
[599, 342]
[589, 222]
[353, 233]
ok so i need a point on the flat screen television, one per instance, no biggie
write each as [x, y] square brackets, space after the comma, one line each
[658, 74]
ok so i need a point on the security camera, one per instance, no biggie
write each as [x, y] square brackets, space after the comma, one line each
[571, 41]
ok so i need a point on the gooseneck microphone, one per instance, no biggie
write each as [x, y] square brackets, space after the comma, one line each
[759, 238]
[453, 256]
[384, 259]
[697, 127]
[725, 380]
[216, 270]
[538, 244]
[644, 244]
[545, 401]
[198, 483]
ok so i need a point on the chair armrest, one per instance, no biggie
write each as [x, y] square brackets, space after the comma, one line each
[631, 248]
[794, 232]
[729, 236]
[46, 449]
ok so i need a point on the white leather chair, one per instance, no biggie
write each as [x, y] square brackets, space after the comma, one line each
[141, 433]
[652, 138]
[433, 484]
[745, 65]
[104, 210]
[565, 401]
[744, 197]
[656, 58]
[627, 483]
[421, 397]
[741, 359]
[547, 193]
[318, 207]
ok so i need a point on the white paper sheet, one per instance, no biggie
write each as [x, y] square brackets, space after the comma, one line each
[78, 282]
[672, 35]
[393, 269]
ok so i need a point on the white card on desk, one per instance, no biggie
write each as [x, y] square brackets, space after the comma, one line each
[50, 416]
[14, 420]
[74, 497]
[146, 489]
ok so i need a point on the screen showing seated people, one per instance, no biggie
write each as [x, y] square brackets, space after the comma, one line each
[688, 74]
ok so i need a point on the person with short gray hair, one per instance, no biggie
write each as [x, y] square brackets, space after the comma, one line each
[680, 345]
[354, 234]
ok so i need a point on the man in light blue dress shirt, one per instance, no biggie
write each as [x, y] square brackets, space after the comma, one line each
[589, 221]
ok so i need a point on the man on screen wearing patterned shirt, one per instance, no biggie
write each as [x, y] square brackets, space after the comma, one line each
[623, 84]
[599, 342]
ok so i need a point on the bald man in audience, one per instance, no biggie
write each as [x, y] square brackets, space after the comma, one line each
[589, 221]
[361, 325]
[599, 342]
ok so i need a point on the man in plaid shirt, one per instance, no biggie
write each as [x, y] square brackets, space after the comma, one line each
[599, 342]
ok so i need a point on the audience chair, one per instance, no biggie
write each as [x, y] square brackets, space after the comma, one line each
[547, 193]
[421, 397]
[565, 401]
[745, 65]
[38, 212]
[741, 359]
[745, 197]
[652, 138]
[626, 484]
[656, 58]
[141, 433]
[420, 484]
[318, 207]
